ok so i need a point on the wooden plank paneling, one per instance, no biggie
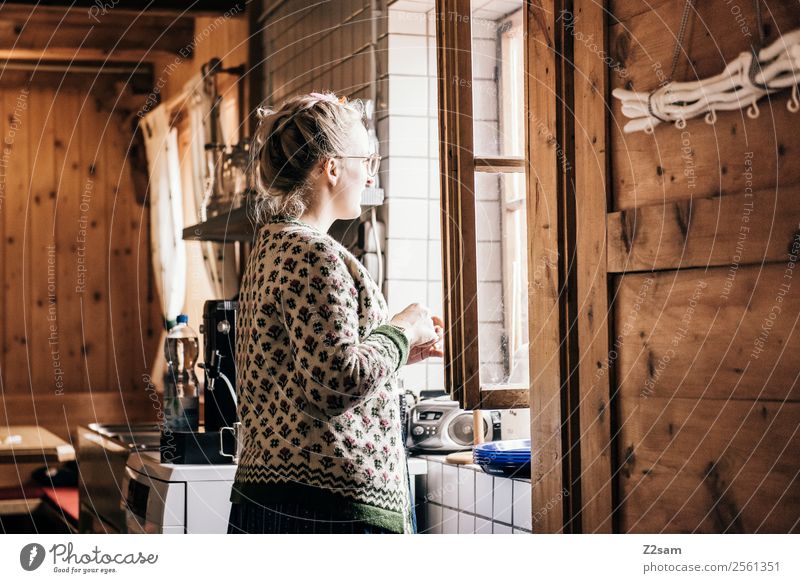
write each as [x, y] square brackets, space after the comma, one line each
[701, 160]
[45, 351]
[709, 335]
[48, 161]
[3, 214]
[707, 339]
[69, 187]
[542, 180]
[592, 297]
[121, 261]
[710, 466]
[15, 308]
[729, 230]
[93, 300]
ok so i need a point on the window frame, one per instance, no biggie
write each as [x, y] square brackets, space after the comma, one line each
[566, 153]
[459, 239]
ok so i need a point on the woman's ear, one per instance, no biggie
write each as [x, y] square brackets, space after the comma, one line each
[331, 170]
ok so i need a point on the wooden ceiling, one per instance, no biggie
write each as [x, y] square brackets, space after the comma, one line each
[55, 29]
[107, 46]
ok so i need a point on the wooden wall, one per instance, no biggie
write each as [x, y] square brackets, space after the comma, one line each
[79, 311]
[65, 178]
[704, 232]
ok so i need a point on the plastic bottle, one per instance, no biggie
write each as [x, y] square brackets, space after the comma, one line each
[181, 389]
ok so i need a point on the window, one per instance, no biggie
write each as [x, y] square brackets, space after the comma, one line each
[484, 227]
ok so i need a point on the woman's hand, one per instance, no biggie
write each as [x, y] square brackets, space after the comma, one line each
[418, 324]
[424, 332]
[431, 349]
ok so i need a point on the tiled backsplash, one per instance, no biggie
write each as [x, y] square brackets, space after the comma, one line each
[452, 499]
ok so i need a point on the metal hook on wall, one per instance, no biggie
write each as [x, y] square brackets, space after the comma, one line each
[753, 112]
[711, 117]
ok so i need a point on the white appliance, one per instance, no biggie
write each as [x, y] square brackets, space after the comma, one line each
[187, 499]
[175, 498]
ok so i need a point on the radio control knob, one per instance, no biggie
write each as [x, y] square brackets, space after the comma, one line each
[224, 327]
[418, 430]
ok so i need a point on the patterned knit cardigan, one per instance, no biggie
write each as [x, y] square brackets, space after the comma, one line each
[316, 363]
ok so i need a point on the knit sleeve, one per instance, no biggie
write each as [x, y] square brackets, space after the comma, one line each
[319, 302]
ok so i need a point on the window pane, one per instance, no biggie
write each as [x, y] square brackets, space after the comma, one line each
[502, 266]
[497, 72]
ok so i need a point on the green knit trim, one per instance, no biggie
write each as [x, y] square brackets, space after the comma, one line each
[338, 506]
[400, 340]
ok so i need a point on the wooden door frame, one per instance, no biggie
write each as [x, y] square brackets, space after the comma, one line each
[566, 87]
[566, 136]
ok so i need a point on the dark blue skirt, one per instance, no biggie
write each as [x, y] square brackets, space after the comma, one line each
[289, 518]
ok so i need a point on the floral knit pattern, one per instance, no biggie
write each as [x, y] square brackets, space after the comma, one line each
[315, 372]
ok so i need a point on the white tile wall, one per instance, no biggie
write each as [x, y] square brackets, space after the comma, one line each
[432, 63]
[435, 302]
[434, 250]
[449, 521]
[434, 179]
[412, 5]
[466, 523]
[435, 374]
[490, 261]
[489, 343]
[466, 489]
[406, 259]
[490, 302]
[406, 218]
[484, 58]
[408, 55]
[409, 95]
[484, 494]
[502, 501]
[464, 499]
[434, 492]
[487, 219]
[414, 376]
[484, 96]
[450, 485]
[433, 109]
[522, 505]
[405, 135]
[486, 143]
[487, 186]
[403, 22]
[433, 520]
[434, 219]
[405, 177]
[401, 293]
[483, 526]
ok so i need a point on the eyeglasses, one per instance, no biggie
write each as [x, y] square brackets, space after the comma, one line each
[373, 162]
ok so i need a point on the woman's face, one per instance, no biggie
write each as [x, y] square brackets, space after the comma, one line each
[354, 177]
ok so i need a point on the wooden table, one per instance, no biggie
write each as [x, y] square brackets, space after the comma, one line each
[30, 443]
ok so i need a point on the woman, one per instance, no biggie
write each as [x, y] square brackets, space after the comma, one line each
[316, 352]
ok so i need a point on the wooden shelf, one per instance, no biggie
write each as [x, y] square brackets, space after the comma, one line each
[233, 226]
[224, 228]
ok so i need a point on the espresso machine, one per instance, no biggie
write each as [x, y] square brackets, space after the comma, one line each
[217, 440]
[219, 334]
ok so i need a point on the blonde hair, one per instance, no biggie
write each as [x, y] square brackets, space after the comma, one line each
[289, 141]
